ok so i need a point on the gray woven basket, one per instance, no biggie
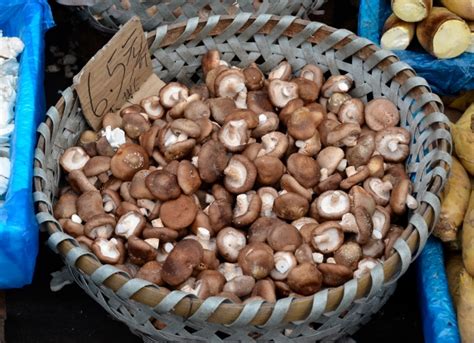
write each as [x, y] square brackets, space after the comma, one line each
[108, 15]
[176, 53]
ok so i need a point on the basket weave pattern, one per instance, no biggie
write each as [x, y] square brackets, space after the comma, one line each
[329, 314]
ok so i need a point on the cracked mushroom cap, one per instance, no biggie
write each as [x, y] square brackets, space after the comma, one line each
[333, 204]
[327, 237]
[109, 251]
[336, 83]
[163, 185]
[352, 111]
[129, 159]
[379, 190]
[229, 243]
[178, 213]
[393, 144]
[281, 92]
[73, 158]
[247, 208]
[269, 169]
[181, 261]
[274, 144]
[334, 275]
[285, 261]
[130, 224]
[304, 169]
[284, 237]
[100, 226]
[234, 135]
[212, 160]
[305, 279]
[172, 94]
[349, 254]
[240, 174]
[329, 159]
[229, 83]
[290, 206]
[381, 114]
[140, 252]
[256, 259]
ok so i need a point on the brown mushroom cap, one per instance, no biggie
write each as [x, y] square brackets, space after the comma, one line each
[379, 190]
[376, 166]
[267, 122]
[234, 135]
[65, 207]
[100, 226]
[360, 197]
[313, 73]
[138, 188]
[373, 248]
[393, 144]
[247, 208]
[163, 185]
[256, 259]
[128, 159]
[284, 237]
[330, 183]
[327, 237]
[304, 253]
[229, 83]
[345, 134]
[274, 144]
[89, 204]
[308, 90]
[281, 92]
[287, 111]
[253, 77]
[178, 213]
[302, 123]
[290, 206]
[352, 111]
[162, 233]
[214, 279]
[240, 285]
[289, 184]
[336, 83]
[240, 174]
[266, 289]
[329, 159]
[336, 100]
[212, 160]
[181, 261]
[364, 224]
[229, 243]
[361, 153]
[220, 108]
[269, 169]
[259, 102]
[360, 175]
[259, 230]
[134, 124]
[188, 177]
[210, 60]
[197, 109]
[104, 148]
[71, 227]
[151, 271]
[220, 214]
[96, 165]
[334, 274]
[139, 251]
[73, 158]
[348, 254]
[380, 114]
[333, 204]
[88, 138]
[305, 279]
[304, 169]
[399, 196]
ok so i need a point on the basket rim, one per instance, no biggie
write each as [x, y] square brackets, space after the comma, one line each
[300, 307]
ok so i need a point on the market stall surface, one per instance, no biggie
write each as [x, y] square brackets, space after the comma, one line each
[36, 314]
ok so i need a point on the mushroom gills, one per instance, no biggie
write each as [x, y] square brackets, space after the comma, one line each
[329, 240]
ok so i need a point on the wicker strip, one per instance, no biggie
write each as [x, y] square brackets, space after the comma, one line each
[327, 315]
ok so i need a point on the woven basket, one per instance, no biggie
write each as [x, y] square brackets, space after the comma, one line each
[108, 15]
[176, 52]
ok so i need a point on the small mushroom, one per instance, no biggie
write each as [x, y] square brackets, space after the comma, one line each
[373, 248]
[351, 111]
[274, 144]
[330, 183]
[304, 169]
[72, 227]
[247, 208]
[212, 160]
[290, 206]
[89, 204]
[336, 83]
[329, 159]
[256, 260]
[281, 72]
[360, 197]
[178, 213]
[305, 279]
[138, 188]
[334, 274]
[349, 254]
[281, 92]
[220, 214]
[234, 135]
[327, 126]
[88, 139]
[269, 169]
[129, 159]
[100, 226]
[393, 144]
[240, 285]
[303, 122]
[304, 254]
[229, 243]
[96, 165]
[333, 204]
[172, 94]
[140, 252]
[240, 174]
[310, 146]
[336, 100]
[308, 90]
[381, 114]
[65, 207]
[259, 230]
[285, 261]
[220, 108]
[188, 177]
[358, 176]
[268, 196]
[267, 122]
[365, 266]
[135, 124]
[197, 109]
[361, 153]
[211, 60]
[379, 190]
[230, 270]
[214, 279]
[73, 158]
[253, 77]
[401, 197]
[229, 83]
[266, 289]
[345, 134]
[163, 185]
[151, 271]
[287, 111]
[181, 261]
[290, 185]
[313, 73]
[327, 237]
[152, 107]
[109, 251]
[130, 224]
[381, 222]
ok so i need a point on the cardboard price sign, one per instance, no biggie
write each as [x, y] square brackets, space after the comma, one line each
[115, 73]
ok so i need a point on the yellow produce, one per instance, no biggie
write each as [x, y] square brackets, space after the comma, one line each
[463, 136]
[454, 267]
[463, 8]
[465, 308]
[468, 238]
[455, 199]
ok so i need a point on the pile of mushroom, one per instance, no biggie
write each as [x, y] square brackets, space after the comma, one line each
[244, 187]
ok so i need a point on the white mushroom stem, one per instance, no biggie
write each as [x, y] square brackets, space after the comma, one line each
[411, 202]
[364, 266]
[342, 165]
[324, 174]
[115, 137]
[262, 119]
[300, 144]
[109, 206]
[348, 223]
[242, 205]
[331, 260]
[318, 257]
[241, 100]
[154, 242]
[350, 171]
[76, 219]
[144, 211]
[204, 237]
[157, 222]
[282, 265]
[168, 247]
[393, 145]
[194, 161]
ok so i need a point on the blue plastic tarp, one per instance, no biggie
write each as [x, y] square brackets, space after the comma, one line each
[437, 311]
[28, 20]
[446, 77]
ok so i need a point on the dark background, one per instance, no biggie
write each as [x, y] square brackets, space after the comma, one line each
[35, 314]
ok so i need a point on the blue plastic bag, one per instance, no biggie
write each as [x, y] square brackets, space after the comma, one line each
[445, 77]
[437, 311]
[28, 20]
